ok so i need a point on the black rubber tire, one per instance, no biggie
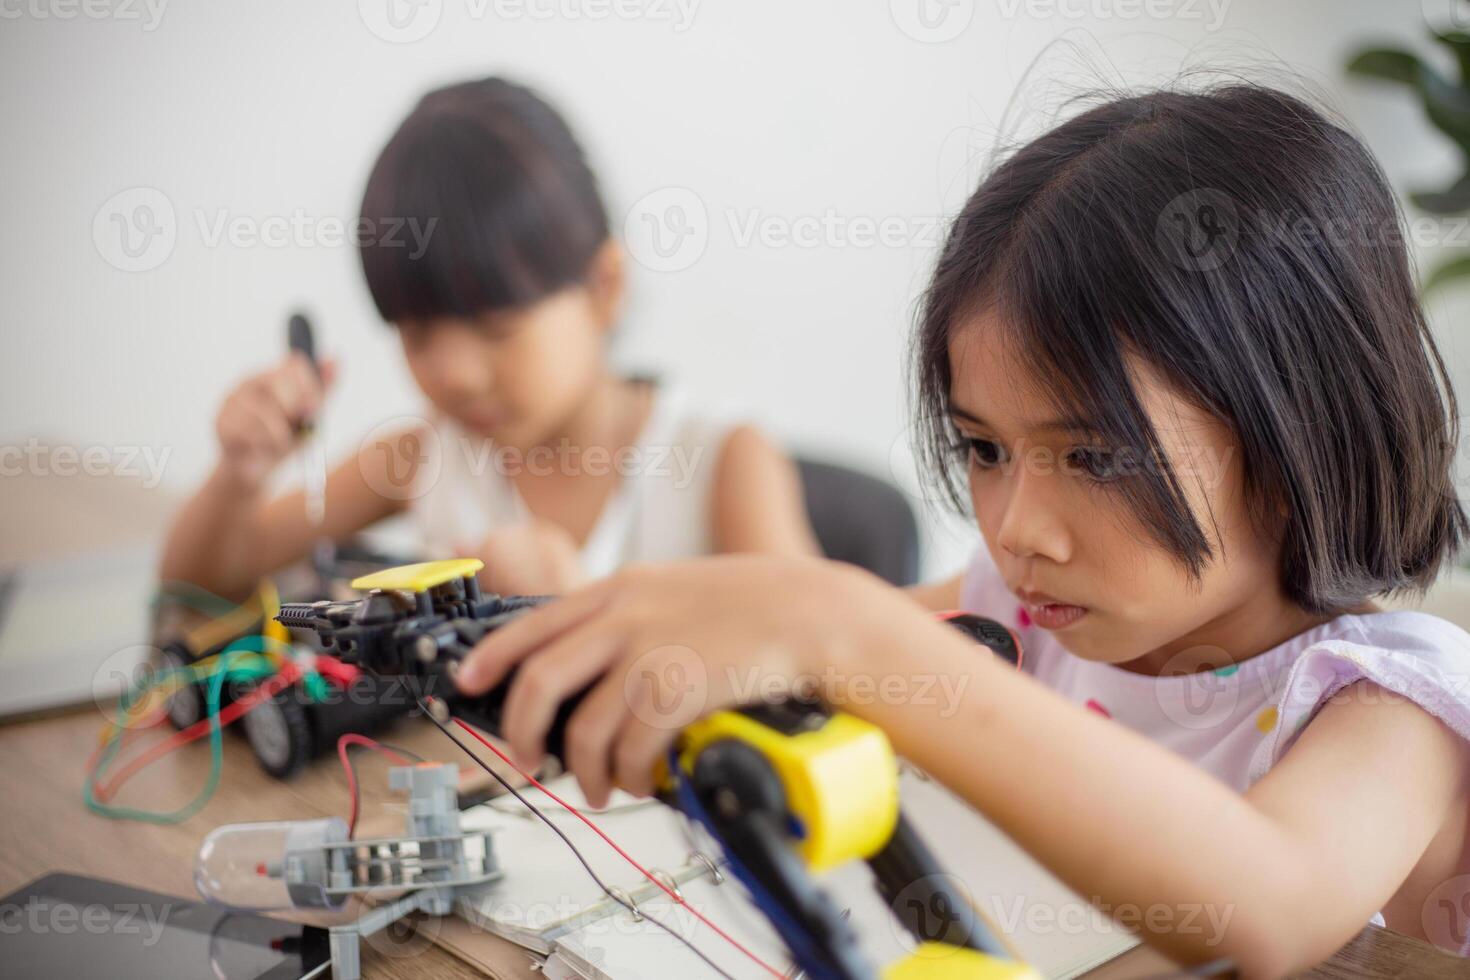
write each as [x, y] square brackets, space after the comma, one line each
[279, 733]
[186, 705]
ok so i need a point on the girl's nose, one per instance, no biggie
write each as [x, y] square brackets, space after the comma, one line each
[460, 369]
[1031, 525]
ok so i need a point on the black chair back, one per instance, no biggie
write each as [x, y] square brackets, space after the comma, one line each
[862, 520]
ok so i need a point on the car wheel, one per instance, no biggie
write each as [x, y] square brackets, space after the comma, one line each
[280, 733]
[185, 706]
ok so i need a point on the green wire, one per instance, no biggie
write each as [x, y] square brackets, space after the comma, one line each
[247, 649]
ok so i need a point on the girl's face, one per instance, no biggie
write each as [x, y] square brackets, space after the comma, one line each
[1045, 496]
[518, 376]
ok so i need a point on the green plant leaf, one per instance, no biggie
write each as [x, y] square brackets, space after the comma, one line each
[1451, 271]
[1446, 103]
[1389, 64]
[1459, 43]
[1453, 200]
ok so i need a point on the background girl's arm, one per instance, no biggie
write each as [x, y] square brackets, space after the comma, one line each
[225, 541]
[1298, 864]
[230, 533]
[757, 500]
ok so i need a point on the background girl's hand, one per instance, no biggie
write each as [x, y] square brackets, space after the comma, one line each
[535, 558]
[258, 422]
[662, 645]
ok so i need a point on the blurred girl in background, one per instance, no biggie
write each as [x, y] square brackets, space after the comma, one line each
[539, 458]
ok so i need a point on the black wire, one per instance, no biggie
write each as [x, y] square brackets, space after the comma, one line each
[396, 748]
[632, 909]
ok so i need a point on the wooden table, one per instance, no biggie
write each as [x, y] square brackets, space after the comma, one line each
[45, 827]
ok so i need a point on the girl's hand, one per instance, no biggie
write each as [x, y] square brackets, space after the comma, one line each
[663, 645]
[258, 423]
[535, 558]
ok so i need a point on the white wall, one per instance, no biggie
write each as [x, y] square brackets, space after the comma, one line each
[762, 109]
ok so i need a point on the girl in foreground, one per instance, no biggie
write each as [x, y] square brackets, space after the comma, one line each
[1175, 345]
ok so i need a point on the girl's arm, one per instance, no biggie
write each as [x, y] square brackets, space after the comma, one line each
[227, 537]
[230, 534]
[937, 596]
[757, 501]
[1289, 871]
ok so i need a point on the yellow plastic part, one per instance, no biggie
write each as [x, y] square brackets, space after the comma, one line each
[936, 961]
[275, 631]
[841, 780]
[420, 577]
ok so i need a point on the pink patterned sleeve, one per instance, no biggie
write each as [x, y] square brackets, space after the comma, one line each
[1418, 657]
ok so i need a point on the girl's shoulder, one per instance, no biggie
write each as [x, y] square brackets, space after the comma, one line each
[1411, 655]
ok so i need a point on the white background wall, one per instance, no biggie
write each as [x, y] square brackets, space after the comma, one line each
[762, 110]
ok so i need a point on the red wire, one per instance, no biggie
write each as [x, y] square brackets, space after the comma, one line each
[286, 675]
[621, 853]
[345, 742]
[351, 787]
[122, 733]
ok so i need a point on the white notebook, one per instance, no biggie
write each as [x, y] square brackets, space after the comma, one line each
[547, 903]
[545, 892]
[621, 947]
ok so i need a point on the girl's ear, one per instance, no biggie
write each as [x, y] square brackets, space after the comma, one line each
[606, 281]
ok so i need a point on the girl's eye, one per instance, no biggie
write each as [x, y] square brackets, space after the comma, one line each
[1101, 465]
[983, 452]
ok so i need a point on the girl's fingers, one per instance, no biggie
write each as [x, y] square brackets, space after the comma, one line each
[637, 751]
[494, 656]
[270, 430]
[275, 389]
[233, 428]
[304, 387]
[331, 368]
[590, 735]
[565, 667]
[291, 387]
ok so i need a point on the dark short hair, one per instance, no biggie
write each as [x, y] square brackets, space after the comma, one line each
[514, 206]
[1250, 251]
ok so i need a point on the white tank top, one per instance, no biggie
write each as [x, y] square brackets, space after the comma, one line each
[660, 510]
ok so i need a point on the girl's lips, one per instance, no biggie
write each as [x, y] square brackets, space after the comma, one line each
[1054, 615]
[485, 424]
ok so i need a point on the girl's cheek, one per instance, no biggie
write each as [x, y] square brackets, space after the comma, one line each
[985, 503]
[429, 382]
[550, 371]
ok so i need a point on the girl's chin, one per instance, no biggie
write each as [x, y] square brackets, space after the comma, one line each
[1090, 639]
[498, 430]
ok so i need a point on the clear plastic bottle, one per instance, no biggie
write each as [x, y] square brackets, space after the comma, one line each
[278, 864]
